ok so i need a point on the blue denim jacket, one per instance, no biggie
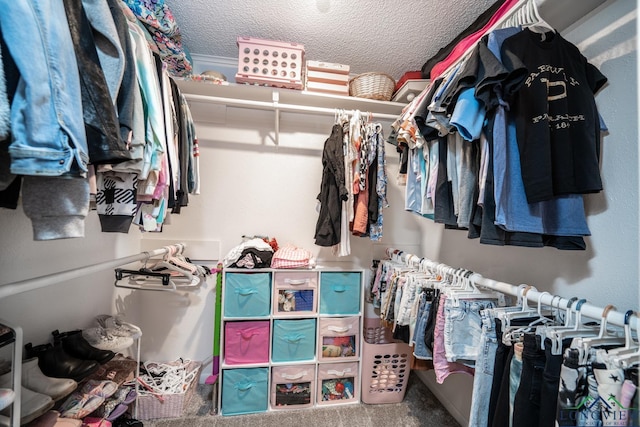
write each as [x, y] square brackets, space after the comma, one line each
[48, 136]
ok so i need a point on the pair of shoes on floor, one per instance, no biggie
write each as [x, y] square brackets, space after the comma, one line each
[95, 422]
[111, 333]
[120, 369]
[52, 418]
[77, 346]
[117, 404]
[70, 356]
[87, 399]
[33, 404]
[38, 392]
[55, 362]
[34, 379]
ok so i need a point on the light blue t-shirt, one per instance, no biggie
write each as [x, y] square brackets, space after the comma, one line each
[468, 115]
[560, 216]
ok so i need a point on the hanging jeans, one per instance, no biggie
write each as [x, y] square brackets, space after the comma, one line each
[483, 376]
[502, 417]
[515, 373]
[420, 350]
[550, 383]
[526, 407]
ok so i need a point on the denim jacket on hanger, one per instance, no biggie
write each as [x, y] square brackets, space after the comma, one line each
[48, 136]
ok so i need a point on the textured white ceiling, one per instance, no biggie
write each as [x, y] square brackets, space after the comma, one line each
[382, 36]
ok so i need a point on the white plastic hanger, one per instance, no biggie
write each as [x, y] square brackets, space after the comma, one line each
[541, 331]
[513, 334]
[160, 276]
[467, 289]
[578, 330]
[180, 271]
[496, 312]
[604, 337]
[534, 21]
[524, 312]
[630, 346]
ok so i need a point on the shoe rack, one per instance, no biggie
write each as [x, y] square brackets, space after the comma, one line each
[12, 335]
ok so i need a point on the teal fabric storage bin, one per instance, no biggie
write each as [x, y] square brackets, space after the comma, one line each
[247, 294]
[340, 293]
[245, 391]
[293, 340]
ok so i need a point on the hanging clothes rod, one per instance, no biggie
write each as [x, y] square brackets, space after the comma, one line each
[276, 106]
[586, 309]
[51, 279]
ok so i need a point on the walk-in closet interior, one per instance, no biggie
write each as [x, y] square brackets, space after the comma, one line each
[261, 165]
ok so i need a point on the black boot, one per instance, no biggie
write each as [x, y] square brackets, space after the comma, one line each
[55, 362]
[74, 344]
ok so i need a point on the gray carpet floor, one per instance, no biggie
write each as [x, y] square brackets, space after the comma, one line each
[419, 408]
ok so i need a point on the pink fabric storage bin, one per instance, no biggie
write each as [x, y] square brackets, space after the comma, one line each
[339, 338]
[293, 387]
[295, 293]
[246, 342]
[338, 383]
[270, 63]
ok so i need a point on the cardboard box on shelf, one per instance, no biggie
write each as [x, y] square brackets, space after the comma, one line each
[334, 89]
[328, 67]
[326, 77]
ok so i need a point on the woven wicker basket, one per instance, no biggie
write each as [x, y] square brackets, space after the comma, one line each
[378, 86]
[172, 405]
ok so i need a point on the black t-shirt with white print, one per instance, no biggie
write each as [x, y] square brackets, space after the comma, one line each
[556, 117]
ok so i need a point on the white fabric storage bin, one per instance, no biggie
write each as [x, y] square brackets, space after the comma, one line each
[338, 383]
[295, 293]
[339, 339]
[293, 387]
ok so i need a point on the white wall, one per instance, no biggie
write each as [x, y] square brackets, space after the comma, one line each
[250, 186]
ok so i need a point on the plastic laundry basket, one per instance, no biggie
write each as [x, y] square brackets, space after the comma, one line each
[385, 365]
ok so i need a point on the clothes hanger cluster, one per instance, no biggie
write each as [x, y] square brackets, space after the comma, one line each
[555, 322]
[172, 272]
[455, 281]
[527, 15]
